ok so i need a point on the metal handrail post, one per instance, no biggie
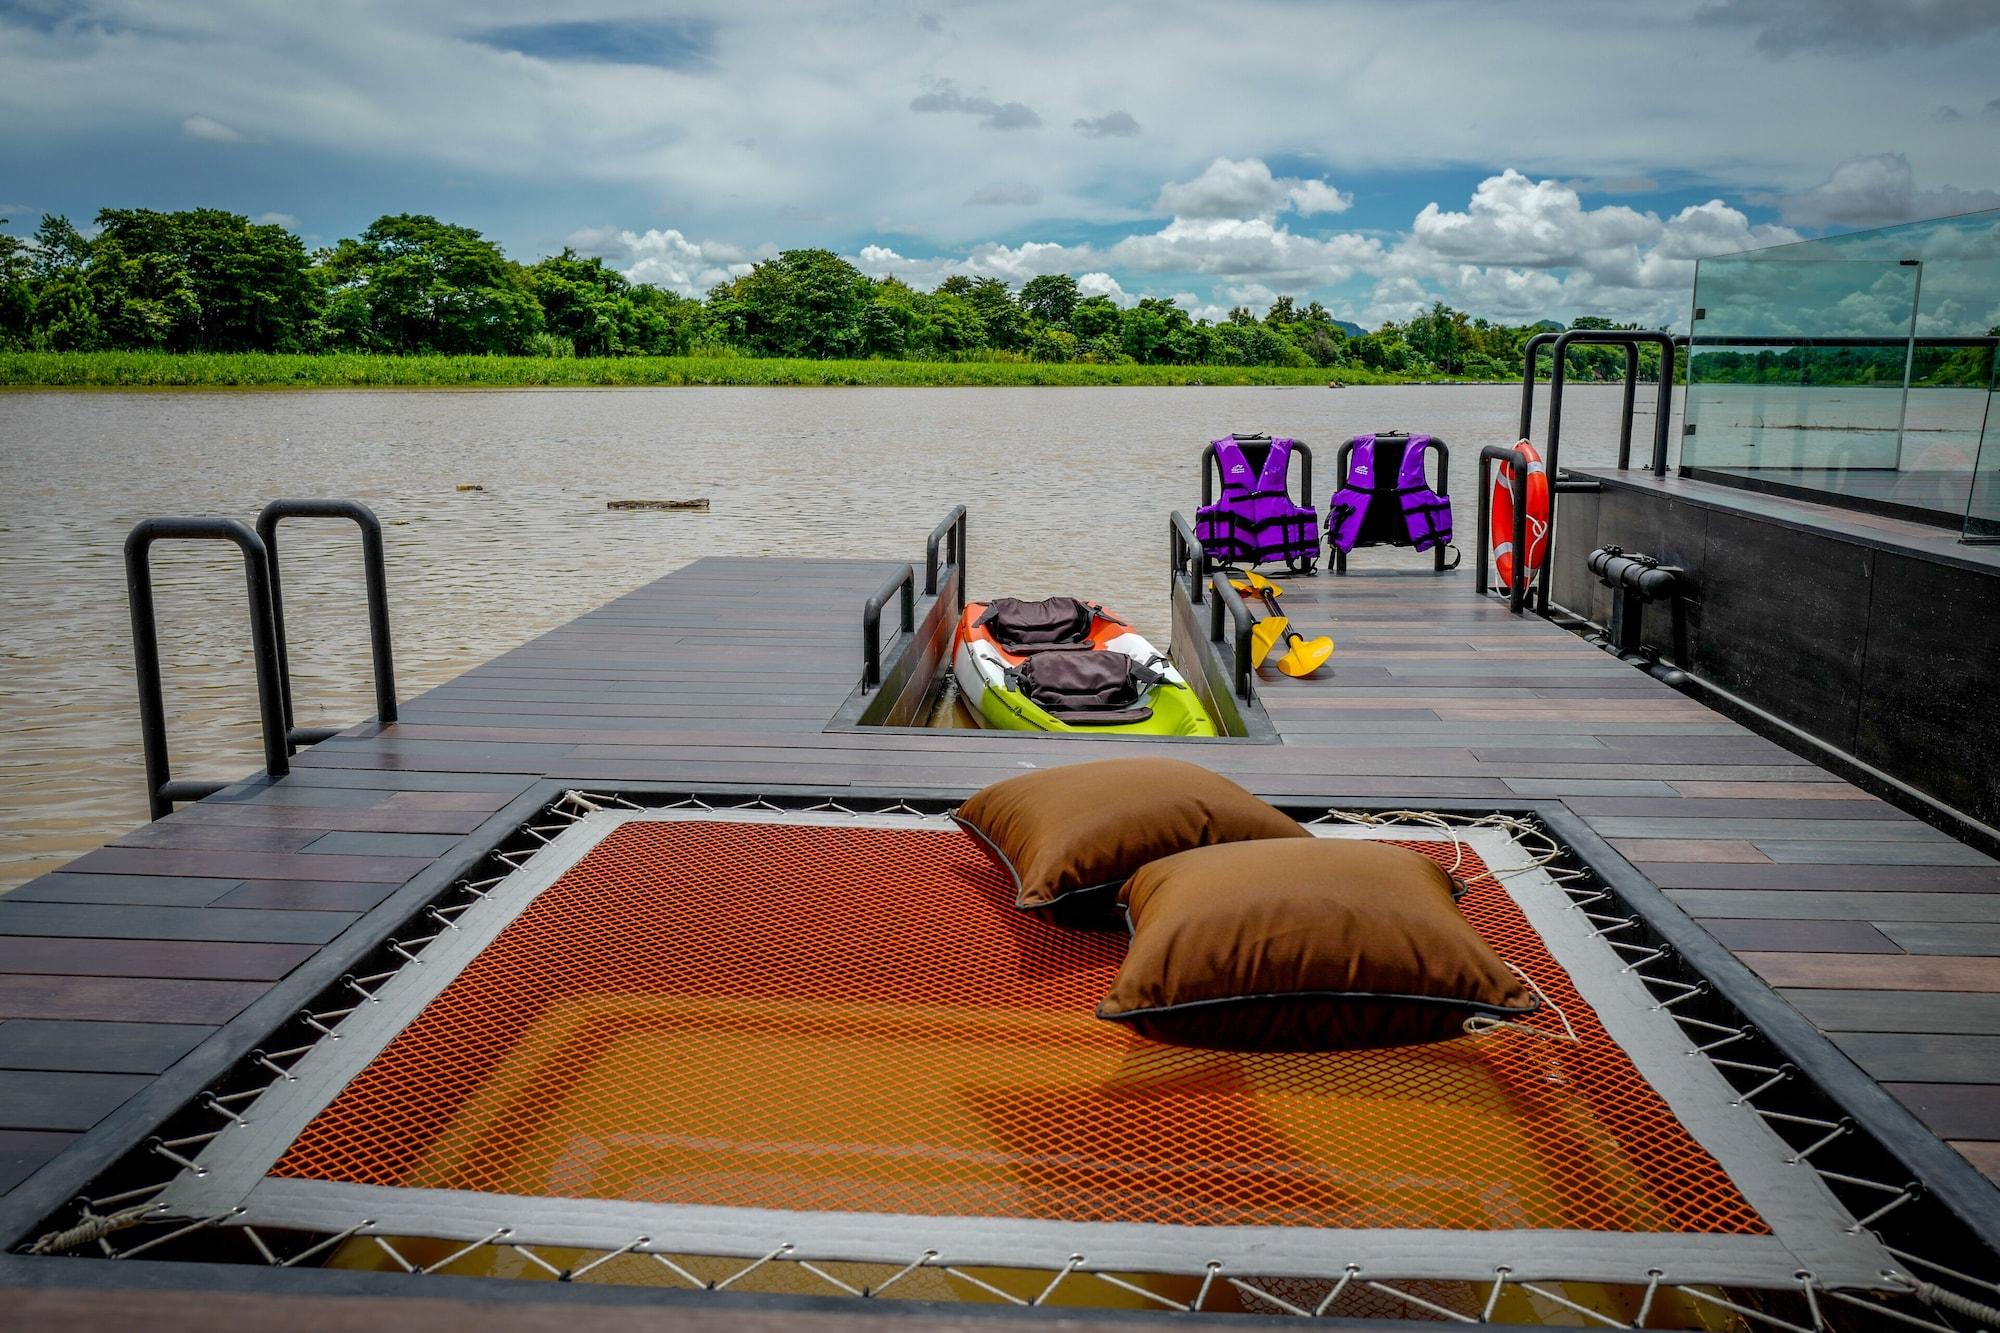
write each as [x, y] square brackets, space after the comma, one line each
[1185, 555]
[1631, 402]
[1517, 592]
[953, 528]
[376, 579]
[904, 581]
[1227, 599]
[1531, 352]
[161, 789]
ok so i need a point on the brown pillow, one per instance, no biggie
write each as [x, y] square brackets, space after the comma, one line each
[1293, 946]
[1083, 827]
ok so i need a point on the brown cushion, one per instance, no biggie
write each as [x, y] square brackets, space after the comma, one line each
[1289, 946]
[1082, 827]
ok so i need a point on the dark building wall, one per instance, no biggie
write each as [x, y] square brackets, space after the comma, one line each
[1889, 656]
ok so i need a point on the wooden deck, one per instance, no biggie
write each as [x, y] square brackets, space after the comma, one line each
[1882, 931]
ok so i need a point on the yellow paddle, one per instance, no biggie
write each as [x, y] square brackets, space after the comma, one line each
[1253, 582]
[1264, 635]
[1303, 656]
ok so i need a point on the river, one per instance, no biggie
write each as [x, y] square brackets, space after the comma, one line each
[1067, 490]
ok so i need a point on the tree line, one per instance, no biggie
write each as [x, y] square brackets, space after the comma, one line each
[207, 280]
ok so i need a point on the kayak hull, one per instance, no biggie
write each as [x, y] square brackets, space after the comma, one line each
[979, 665]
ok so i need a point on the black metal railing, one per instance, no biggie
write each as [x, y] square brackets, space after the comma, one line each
[1211, 468]
[904, 581]
[952, 528]
[162, 790]
[1517, 592]
[1559, 344]
[375, 577]
[1227, 601]
[1629, 339]
[1185, 556]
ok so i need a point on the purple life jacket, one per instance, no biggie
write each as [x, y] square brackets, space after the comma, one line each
[1426, 515]
[1256, 520]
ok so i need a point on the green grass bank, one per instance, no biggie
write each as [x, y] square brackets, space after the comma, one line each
[341, 370]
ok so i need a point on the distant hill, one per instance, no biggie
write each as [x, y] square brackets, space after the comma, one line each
[1546, 326]
[1350, 328]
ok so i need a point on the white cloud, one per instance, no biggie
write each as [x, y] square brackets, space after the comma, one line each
[1103, 284]
[1876, 191]
[664, 258]
[1243, 247]
[285, 220]
[1514, 220]
[1311, 197]
[1247, 189]
[210, 131]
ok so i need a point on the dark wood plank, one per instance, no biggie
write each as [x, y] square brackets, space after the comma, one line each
[111, 999]
[44, 1099]
[429, 845]
[1876, 971]
[1964, 1012]
[90, 920]
[249, 865]
[1809, 905]
[1953, 1110]
[1962, 936]
[1778, 936]
[305, 895]
[130, 890]
[109, 1047]
[1879, 879]
[23, 1151]
[150, 958]
[1923, 1057]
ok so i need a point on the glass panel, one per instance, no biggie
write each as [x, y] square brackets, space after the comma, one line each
[1796, 371]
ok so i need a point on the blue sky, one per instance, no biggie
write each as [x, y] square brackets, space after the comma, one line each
[1518, 159]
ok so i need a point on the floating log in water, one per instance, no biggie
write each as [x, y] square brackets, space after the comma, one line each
[470, 486]
[698, 506]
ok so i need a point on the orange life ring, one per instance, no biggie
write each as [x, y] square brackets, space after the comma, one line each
[1503, 515]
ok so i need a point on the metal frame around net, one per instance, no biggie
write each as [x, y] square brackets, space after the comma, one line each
[127, 1222]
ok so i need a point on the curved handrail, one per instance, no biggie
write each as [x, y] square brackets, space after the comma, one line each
[871, 622]
[1517, 594]
[1226, 599]
[954, 526]
[161, 790]
[377, 582]
[1185, 555]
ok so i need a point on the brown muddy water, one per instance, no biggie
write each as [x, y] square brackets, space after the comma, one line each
[1068, 491]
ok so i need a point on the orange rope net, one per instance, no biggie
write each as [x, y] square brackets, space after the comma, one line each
[858, 1020]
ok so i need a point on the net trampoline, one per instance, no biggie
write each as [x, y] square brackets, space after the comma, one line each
[829, 1035]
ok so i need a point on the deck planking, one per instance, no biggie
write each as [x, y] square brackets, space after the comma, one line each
[1875, 926]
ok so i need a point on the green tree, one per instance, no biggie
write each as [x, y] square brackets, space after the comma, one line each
[414, 284]
[63, 316]
[17, 292]
[202, 280]
[803, 303]
[1050, 298]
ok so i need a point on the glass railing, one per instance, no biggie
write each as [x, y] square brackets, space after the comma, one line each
[1857, 370]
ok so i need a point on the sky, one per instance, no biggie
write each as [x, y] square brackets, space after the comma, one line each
[1518, 159]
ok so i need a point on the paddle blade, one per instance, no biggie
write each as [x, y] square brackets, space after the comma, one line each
[1264, 636]
[1306, 656]
[1254, 582]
